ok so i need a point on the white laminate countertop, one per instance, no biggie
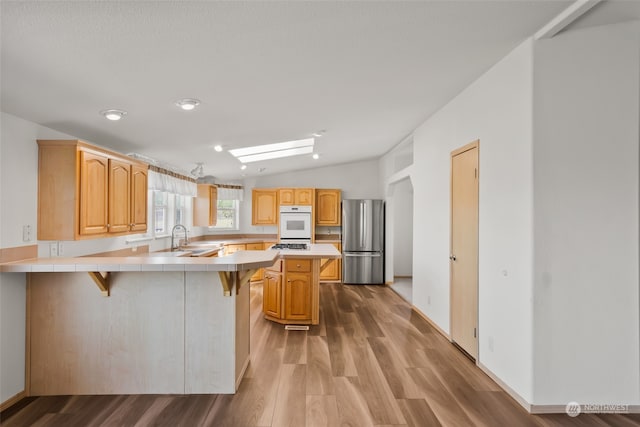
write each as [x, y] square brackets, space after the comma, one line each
[239, 261]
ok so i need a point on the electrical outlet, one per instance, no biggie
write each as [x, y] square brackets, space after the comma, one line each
[60, 248]
[53, 249]
[26, 233]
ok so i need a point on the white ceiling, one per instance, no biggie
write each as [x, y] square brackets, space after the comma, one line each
[267, 71]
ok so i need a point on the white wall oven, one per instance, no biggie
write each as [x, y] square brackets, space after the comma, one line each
[295, 224]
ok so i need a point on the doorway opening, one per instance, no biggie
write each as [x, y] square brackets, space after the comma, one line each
[402, 238]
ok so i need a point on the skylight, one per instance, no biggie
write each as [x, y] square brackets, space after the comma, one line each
[273, 151]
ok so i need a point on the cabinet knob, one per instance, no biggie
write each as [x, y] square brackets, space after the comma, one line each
[298, 265]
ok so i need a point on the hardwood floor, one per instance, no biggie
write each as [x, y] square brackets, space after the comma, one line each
[372, 361]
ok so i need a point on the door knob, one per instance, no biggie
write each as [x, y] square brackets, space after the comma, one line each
[452, 257]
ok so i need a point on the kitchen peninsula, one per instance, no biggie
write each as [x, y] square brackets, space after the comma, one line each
[138, 325]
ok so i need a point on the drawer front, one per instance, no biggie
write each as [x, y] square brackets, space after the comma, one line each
[254, 246]
[229, 249]
[276, 267]
[299, 265]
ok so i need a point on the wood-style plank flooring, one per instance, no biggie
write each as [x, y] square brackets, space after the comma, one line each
[372, 361]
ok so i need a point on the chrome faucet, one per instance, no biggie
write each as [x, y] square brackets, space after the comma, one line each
[173, 236]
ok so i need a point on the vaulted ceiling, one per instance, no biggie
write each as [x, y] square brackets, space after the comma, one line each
[367, 73]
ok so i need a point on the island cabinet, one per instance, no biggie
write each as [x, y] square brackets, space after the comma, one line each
[264, 206]
[328, 207]
[290, 291]
[87, 192]
[272, 291]
[296, 196]
[205, 206]
[297, 290]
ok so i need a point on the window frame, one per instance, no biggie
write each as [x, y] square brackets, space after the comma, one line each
[236, 215]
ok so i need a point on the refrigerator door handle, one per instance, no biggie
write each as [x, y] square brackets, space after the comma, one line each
[362, 219]
[365, 255]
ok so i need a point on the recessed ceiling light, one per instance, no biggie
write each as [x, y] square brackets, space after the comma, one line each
[113, 114]
[316, 156]
[243, 167]
[187, 104]
[218, 148]
[319, 133]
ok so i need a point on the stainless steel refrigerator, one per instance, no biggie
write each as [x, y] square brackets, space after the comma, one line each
[363, 241]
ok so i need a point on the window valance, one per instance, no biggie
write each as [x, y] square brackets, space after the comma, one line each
[171, 182]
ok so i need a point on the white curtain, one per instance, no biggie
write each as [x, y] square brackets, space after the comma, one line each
[170, 184]
[230, 193]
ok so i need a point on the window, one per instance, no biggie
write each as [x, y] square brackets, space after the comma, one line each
[227, 215]
[180, 209]
[160, 213]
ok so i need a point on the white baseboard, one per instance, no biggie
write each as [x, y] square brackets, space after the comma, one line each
[511, 392]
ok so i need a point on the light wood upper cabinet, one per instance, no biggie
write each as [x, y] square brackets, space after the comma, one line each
[94, 193]
[296, 196]
[286, 196]
[264, 206]
[139, 186]
[303, 196]
[88, 192]
[205, 206]
[119, 196]
[328, 207]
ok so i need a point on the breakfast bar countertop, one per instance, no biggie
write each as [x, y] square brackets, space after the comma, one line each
[238, 261]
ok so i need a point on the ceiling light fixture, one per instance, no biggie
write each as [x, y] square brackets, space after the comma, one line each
[273, 151]
[316, 156]
[198, 171]
[113, 114]
[218, 148]
[187, 104]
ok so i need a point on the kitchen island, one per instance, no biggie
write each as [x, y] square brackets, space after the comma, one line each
[138, 325]
[291, 285]
[142, 324]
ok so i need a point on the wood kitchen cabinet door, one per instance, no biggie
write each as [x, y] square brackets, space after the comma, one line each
[264, 207]
[272, 294]
[297, 290]
[205, 206]
[286, 196]
[119, 196]
[328, 207]
[94, 196]
[139, 179]
[303, 196]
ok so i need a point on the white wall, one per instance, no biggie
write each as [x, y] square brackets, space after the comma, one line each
[586, 216]
[18, 207]
[357, 180]
[402, 201]
[496, 109]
